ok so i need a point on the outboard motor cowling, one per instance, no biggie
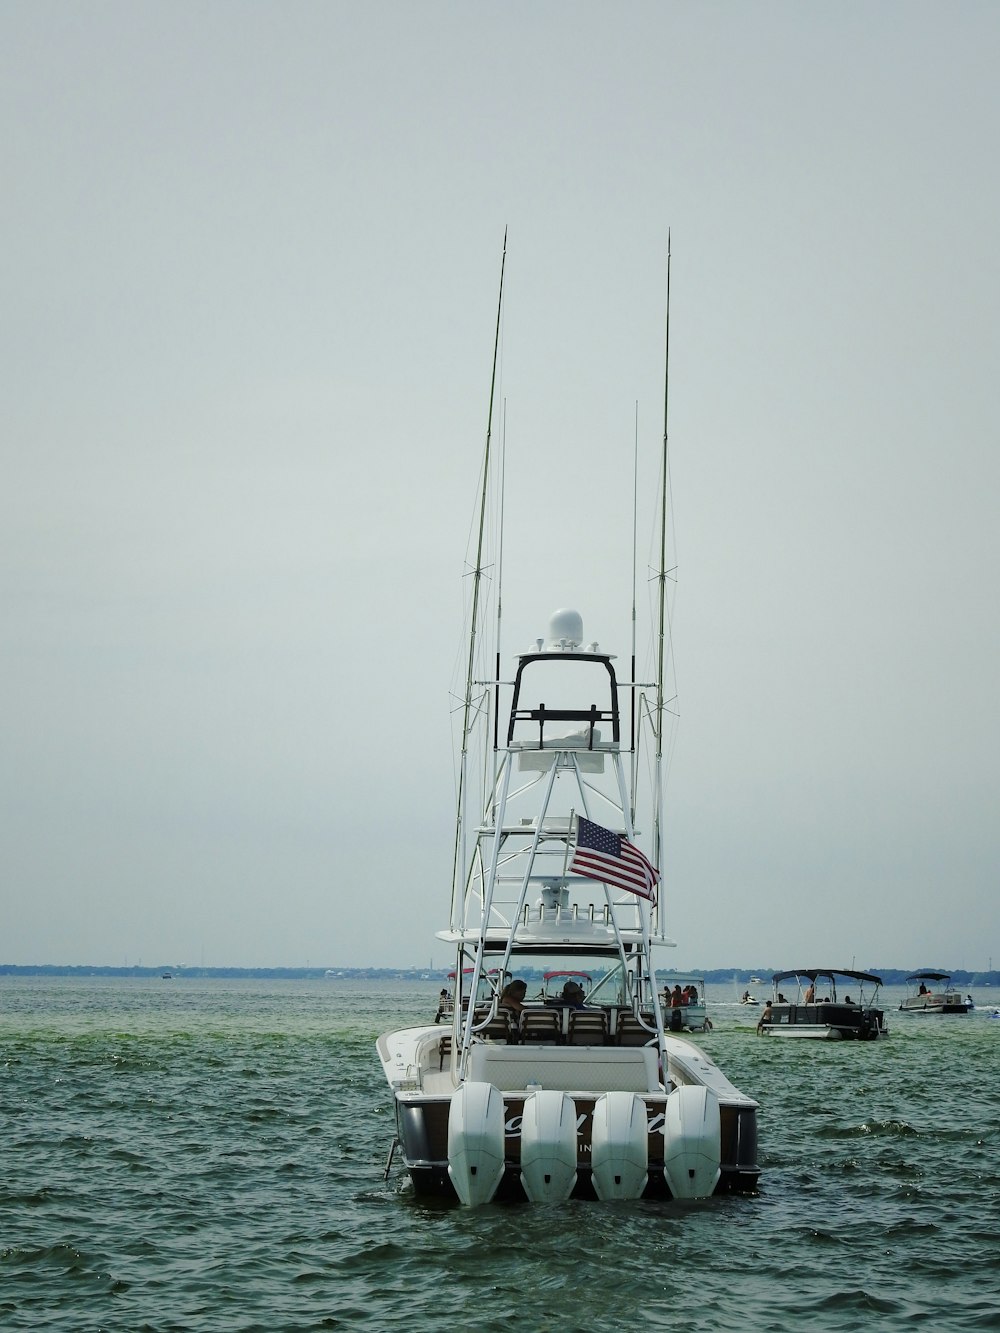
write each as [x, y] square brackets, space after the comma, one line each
[548, 1146]
[692, 1142]
[476, 1142]
[619, 1152]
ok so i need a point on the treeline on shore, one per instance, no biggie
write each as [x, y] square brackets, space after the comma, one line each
[712, 976]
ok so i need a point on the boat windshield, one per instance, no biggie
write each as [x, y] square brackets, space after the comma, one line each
[601, 977]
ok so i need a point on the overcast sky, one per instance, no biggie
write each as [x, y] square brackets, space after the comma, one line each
[250, 255]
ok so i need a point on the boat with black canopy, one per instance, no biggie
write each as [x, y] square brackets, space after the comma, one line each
[933, 993]
[826, 1004]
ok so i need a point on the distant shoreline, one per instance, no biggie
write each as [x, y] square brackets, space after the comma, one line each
[713, 976]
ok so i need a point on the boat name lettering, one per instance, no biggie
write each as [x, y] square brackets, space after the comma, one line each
[512, 1127]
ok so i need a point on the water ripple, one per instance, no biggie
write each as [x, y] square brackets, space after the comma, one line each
[210, 1157]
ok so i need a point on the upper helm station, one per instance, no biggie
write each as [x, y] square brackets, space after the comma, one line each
[566, 689]
[558, 756]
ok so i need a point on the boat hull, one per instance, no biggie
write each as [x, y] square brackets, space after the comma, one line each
[934, 1006]
[809, 1031]
[825, 1022]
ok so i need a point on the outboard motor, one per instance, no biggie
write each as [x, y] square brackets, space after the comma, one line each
[548, 1146]
[476, 1142]
[692, 1142]
[619, 1151]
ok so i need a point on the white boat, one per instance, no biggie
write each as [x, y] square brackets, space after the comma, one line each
[557, 1076]
[933, 993]
[682, 997]
[816, 1010]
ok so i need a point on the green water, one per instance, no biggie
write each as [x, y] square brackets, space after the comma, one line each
[209, 1156]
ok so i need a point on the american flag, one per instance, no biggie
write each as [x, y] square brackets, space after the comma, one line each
[601, 854]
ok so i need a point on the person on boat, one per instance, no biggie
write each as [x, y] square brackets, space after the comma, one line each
[572, 995]
[848, 1000]
[692, 995]
[444, 1006]
[512, 996]
[923, 989]
[810, 995]
[781, 998]
[676, 998]
[766, 1016]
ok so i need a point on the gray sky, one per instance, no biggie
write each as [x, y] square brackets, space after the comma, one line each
[250, 256]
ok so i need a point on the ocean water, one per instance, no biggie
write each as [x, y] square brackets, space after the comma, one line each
[209, 1155]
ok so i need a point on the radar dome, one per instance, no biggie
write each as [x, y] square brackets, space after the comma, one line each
[566, 629]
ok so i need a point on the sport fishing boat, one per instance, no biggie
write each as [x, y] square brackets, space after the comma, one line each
[933, 993]
[557, 1076]
[817, 1011]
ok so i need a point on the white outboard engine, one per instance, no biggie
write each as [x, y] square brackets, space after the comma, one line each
[619, 1151]
[476, 1142]
[548, 1146]
[692, 1142]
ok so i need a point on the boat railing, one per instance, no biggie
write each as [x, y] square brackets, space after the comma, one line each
[542, 715]
[578, 917]
[593, 913]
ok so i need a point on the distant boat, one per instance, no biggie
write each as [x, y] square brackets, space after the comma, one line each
[818, 1012]
[167, 976]
[939, 997]
[683, 1000]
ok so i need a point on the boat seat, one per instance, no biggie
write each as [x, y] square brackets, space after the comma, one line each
[630, 1032]
[444, 1049]
[588, 1027]
[540, 1025]
[498, 1028]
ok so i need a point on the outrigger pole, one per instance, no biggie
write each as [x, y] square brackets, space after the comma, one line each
[634, 757]
[662, 619]
[458, 867]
